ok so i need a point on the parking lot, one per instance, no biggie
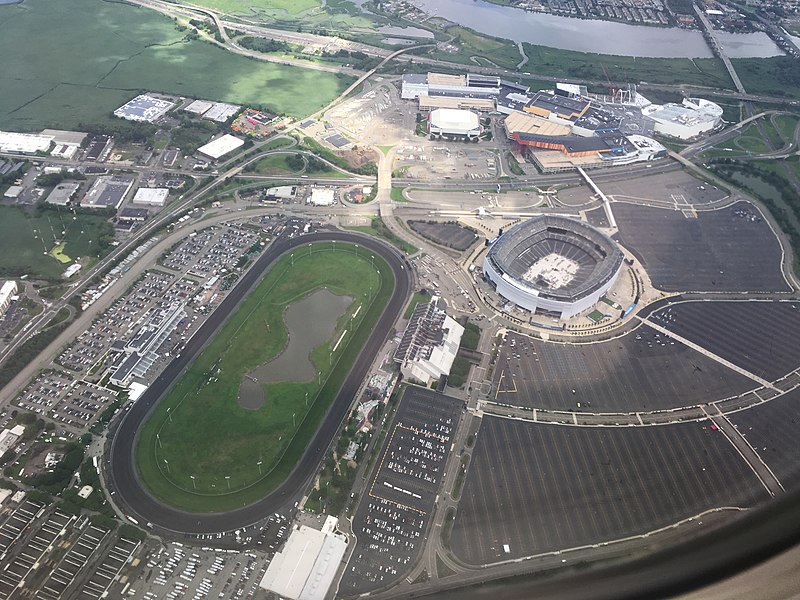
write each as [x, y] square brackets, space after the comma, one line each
[758, 336]
[731, 249]
[393, 514]
[771, 429]
[176, 571]
[535, 488]
[640, 371]
[436, 160]
[450, 234]
[674, 189]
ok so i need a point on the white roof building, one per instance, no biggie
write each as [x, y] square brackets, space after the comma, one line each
[198, 107]
[305, 568]
[7, 291]
[13, 191]
[221, 146]
[9, 437]
[221, 112]
[453, 121]
[684, 121]
[24, 143]
[151, 196]
[430, 343]
[322, 197]
[63, 193]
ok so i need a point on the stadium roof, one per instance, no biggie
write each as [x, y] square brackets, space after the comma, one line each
[454, 119]
[221, 146]
[596, 255]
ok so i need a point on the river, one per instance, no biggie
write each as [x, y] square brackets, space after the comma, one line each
[592, 35]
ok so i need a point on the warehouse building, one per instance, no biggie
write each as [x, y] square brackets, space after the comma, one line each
[307, 565]
[429, 344]
[151, 196]
[216, 149]
[144, 108]
[10, 437]
[107, 192]
[322, 197]
[63, 193]
[24, 143]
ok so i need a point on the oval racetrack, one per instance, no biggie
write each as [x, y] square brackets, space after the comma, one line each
[119, 468]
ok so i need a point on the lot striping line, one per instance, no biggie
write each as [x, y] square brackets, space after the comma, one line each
[749, 454]
[708, 353]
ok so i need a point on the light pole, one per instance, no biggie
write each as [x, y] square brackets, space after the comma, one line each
[228, 479]
[306, 399]
[194, 484]
[169, 415]
[334, 245]
[158, 438]
[292, 257]
[309, 249]
[293, 415]
[356, 245]
[166, 462]
[372, 261]
[259, 468]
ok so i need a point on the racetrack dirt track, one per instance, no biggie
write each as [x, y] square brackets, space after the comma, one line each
[119, 469]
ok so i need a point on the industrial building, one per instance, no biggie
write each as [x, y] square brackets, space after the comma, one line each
[307, 565]
[63, 193]
[282, 192]
[7, 292]
[448, 123]
[216, 149]
[24, 143]
[109, 191]
[144, 108]
[553, 264]
[429, 344]
[67, 143]
[151, 196]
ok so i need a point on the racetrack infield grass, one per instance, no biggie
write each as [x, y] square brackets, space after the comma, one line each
[210, 435]
[90, 56]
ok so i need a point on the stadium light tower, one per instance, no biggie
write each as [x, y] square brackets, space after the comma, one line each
[166, 462]
[356, 245]
[158, 438]
[194, 484]
[228, 479]
[259, 467]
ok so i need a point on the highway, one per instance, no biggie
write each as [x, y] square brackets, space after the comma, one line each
[119, 469]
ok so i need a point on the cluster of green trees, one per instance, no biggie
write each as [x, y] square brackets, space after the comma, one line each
[264, 45]
[28, 352]
[123, 131]
[55, 481]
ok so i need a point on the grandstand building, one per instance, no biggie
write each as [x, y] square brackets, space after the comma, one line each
[429, 344]
[553, 264]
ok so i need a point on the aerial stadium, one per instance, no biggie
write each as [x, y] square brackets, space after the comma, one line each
[553, 264]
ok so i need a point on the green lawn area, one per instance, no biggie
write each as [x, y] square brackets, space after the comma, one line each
[287, 7]
[379, 229]
[209, 435]
[86, 236]
[275, 164]
[91, 56]
[624, 69]
[776, 76]
[416, 299]
[786, 126]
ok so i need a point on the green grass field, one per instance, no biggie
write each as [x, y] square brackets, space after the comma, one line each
[31, 255]
[623, 69]
[209, 435]
[776, 76]
[90, 56]
[786, 126]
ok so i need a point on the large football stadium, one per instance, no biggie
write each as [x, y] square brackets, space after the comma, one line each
[553, 264]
